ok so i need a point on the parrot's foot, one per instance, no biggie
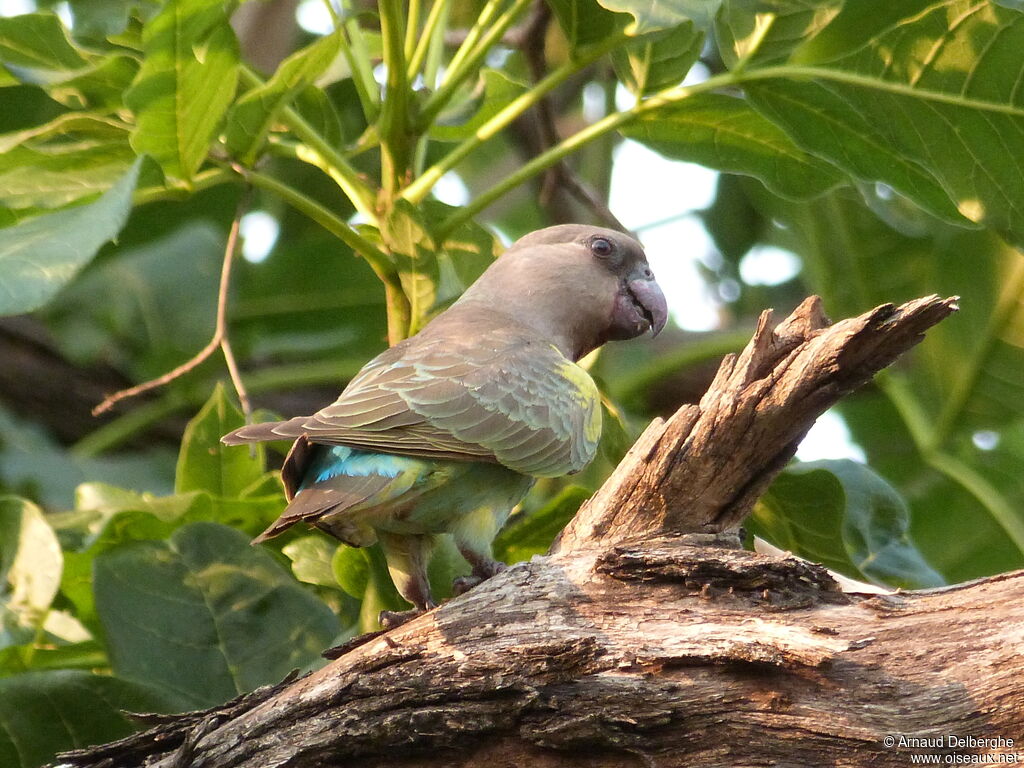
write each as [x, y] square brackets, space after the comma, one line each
[481, 572]
[392, 619]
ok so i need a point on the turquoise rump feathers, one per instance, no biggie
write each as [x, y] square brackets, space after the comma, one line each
[444, 433]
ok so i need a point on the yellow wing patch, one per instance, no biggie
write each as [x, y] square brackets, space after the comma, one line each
[590, 399]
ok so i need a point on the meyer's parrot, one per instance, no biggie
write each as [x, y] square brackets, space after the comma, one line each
[445, 432]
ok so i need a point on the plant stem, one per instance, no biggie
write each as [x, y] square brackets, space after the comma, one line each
[412, 29]
[457, 74]
[200, 181]
[325, 218]
[394, 116]
[476, 31]
[437, 16]
[918, 425]
[354, 50]
[1003, 316]
[566, 147]
[397, 302]
[220, 332]
[323, 155]
[421, 187]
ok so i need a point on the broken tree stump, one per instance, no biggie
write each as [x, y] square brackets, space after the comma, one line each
[646, 637]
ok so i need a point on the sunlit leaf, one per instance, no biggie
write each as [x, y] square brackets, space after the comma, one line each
[894, 92]
[220, 617]
[39, 256]
[30, 568]
[723, 132]
[36, 45]
[654, 15]
[253, 115]
[493, 93]
[205, 463]
[844, 516]
[186, 84]
[658, 60]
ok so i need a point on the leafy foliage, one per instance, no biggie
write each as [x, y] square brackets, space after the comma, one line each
[877, 141]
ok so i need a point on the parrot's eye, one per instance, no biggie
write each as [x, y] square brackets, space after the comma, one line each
[602, 247]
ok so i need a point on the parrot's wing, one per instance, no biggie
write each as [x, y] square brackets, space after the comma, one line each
[500, 397]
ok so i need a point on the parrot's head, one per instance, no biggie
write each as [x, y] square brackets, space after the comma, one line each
[581, 285]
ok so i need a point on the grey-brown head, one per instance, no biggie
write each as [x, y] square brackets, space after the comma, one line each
[578, 285]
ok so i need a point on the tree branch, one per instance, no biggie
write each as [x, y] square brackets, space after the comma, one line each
[636, 643]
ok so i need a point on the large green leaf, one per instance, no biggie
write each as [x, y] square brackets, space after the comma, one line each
[655, 15]
[659, 60]
[494, 91]
[723, 132]
[585, 22]
[30, 570]
[254, 114]
[529, 534]
[186, 84]
[844, 516]
[919, 94]
[205, 614]
[767, 31]
[41, 255]
[43, 713]
[205, 463]
[69, 158]
[36, 45]
[127, 310]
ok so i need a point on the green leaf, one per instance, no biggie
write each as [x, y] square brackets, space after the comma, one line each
[67, 159]
[846, 517]
[767, 31]
[434, 277]
[30, 570]
[723, 132]
[100, 87]
[254, 114]
[36, 45]
[39, 256]
[446, 564]
[351, 570]
[658, 60]
[527, 535]
[895, 92]
[312, 557]
[493, 92]
[44, 713]
[585, 22]
[963, 382]
[206, 464]
[206, 615]
[655, 15]
[186, 84]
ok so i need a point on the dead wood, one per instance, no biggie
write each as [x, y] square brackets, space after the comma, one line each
[644, 639]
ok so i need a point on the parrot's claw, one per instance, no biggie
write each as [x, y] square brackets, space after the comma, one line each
[391, 619]
[481, 573]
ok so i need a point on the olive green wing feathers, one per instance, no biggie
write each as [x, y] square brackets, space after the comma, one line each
[501, 397]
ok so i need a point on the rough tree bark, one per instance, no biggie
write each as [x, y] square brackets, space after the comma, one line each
[644, 638]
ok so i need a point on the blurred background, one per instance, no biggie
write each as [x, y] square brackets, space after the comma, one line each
[913, 481]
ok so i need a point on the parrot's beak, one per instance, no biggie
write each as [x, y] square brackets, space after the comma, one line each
[650, 300]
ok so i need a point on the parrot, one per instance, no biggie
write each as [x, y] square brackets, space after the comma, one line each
[445, 432]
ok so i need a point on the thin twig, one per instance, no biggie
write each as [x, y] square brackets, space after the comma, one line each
[219, 339]
[560, 175]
